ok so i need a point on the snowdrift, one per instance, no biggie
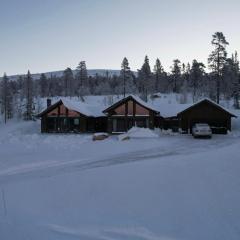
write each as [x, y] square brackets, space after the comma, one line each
[136, 132]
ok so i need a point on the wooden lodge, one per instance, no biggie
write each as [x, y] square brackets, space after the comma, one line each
[128, 112]
[67, 116]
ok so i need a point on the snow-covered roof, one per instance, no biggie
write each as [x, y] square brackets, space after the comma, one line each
[210, 101]
[83, 108]
[167, 107]
[171, 109]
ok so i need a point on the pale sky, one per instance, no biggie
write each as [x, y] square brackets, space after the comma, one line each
[49, 35]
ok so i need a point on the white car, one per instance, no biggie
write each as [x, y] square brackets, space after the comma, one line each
[201, 130]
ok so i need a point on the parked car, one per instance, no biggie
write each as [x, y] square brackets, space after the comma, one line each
[201, 130]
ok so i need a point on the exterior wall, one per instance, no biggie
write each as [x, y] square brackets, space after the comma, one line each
[117, 124]
[63, 111]
[205, 113]
[54, 112]
[63, 120]
[130, 114]
[139, 110]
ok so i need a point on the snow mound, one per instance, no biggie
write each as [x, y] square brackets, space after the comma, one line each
[136, 132]
[123, 137]
[170, 132]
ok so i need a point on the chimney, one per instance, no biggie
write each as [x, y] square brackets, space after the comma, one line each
[49, 102]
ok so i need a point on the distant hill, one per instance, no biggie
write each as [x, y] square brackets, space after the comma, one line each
[91, 72]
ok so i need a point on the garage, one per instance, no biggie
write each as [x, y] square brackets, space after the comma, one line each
[206, 111]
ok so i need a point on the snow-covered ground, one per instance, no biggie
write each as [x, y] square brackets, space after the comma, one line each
[69, 187]
[156, 186]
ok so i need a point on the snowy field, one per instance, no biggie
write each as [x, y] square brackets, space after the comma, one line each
[165, 187]
[158, 187]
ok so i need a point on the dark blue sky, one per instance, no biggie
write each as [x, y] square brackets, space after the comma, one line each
[51, 35]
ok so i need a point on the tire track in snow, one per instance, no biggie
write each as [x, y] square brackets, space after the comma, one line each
[50, 169]
[54, 168]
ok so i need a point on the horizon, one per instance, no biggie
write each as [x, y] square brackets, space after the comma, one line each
[52, 35]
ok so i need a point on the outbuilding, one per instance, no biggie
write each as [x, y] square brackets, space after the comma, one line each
[205, 111]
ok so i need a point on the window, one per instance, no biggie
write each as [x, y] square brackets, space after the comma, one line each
[118, 125]
[144, 123]
[76, 121]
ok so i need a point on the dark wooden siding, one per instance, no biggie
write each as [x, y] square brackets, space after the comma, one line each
[205, 113]
[130, 114]
[63, 120]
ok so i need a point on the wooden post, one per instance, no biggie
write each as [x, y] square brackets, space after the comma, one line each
[126, 116]
[151, 120]
[109, 125]
[67, 121]
[58, 120]
[134, 113]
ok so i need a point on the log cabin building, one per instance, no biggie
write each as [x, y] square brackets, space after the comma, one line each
[68, 116]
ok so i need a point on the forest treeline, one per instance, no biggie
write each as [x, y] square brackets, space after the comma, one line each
[220, 79]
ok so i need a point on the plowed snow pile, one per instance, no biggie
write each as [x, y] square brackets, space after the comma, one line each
[136, 132]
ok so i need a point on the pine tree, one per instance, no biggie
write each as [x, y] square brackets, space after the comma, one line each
[125, 74]
[43, 85]
[230, 79]
[236, 81]
[158, 73]
[6, 98]
[217, 59]
[68, 82]
[29, 96]
[145, 76]
[176, 75]
[196, 78]
[82, 78]
[184, 88]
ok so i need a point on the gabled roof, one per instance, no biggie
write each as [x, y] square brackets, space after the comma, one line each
[77, 106]
[134, 98]
[50, 108]
[207, 100]
[84, 108]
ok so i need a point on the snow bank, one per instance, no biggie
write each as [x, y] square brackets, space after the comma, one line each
[136, 132]
[123, 137]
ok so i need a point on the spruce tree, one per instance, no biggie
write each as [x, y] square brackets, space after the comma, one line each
[29, 96]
